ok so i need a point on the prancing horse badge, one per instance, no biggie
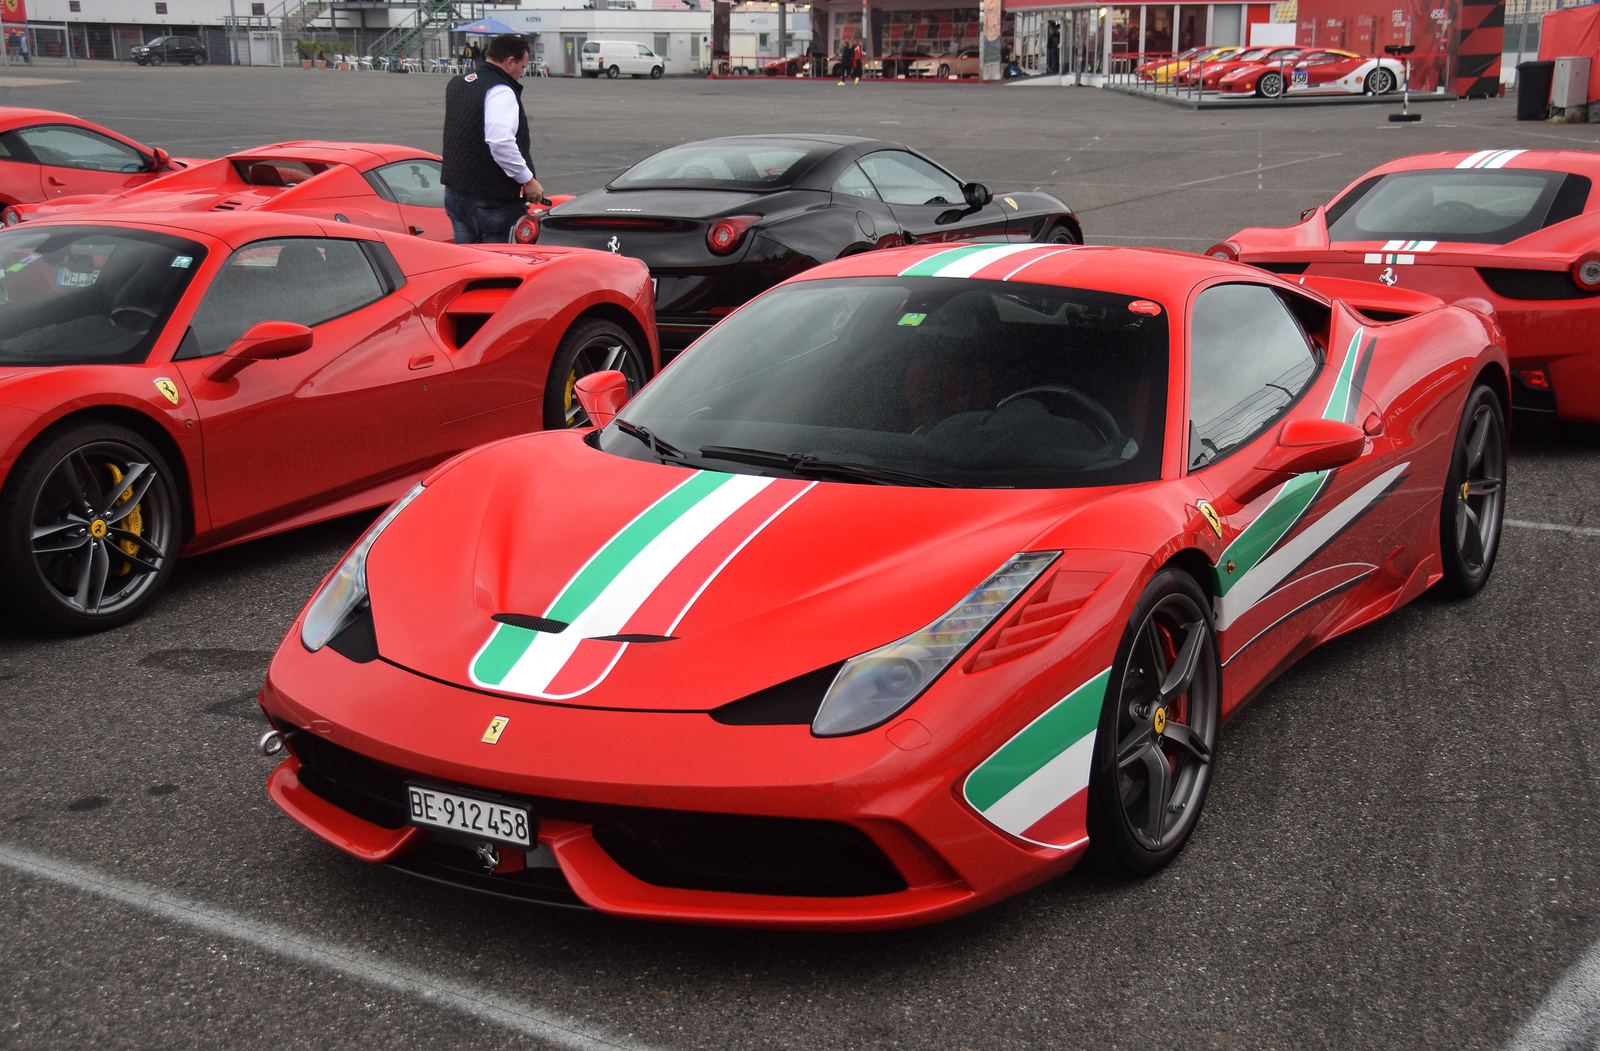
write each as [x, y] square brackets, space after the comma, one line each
[1211, 517]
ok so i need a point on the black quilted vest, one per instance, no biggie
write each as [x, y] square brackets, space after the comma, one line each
[469, 168]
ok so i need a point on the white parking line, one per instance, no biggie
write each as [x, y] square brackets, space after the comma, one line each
[269, 937]
[1569, 1017]
[1554, 527]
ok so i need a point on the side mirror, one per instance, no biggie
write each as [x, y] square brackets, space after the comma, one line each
[266, 340]
[602, 395]
[162, 159]
[1303, 445]
[977, 194]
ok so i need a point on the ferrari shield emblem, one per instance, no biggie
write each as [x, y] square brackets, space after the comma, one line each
[1011, 202]
[168, 389]
[497, 726]
[1211, 517]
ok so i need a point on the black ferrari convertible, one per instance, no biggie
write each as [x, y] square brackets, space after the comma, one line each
[722, 220]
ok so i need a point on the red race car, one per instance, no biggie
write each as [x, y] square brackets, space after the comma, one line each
[1517, 229]
[172, 384]
[1265, 77]
[1209, 74]
[382, 187]
[45, 155]
[908, 581]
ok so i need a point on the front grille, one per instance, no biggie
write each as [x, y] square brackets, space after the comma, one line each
[669, 848]
[459, 866]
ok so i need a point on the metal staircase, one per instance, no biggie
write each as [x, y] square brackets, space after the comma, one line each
[432, 18]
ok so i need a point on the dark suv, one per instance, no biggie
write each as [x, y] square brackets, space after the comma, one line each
[164, 49]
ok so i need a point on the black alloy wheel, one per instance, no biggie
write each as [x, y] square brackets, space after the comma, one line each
[589, 346]
[89, 529]
[1158, 730]
[1473, 508]
[612, 72]
[1270, 86]
[1061, 234]
[199, 60]
[157, 58]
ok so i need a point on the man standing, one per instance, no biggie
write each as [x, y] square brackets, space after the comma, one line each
[487, 168]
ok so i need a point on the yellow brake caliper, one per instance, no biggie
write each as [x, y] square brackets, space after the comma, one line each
[572, 383]
[133, 523]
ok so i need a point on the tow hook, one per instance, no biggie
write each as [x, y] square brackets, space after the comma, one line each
[271, 743]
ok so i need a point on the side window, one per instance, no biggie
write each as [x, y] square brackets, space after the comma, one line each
[307, 280]
[1248, 361]
[854, 183]
[644, 52]
[63, 146]
[413, 182]
[906, 179]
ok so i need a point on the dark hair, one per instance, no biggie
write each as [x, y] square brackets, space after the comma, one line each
[506, 45]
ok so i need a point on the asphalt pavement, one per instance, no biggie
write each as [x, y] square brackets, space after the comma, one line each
[1399, 849]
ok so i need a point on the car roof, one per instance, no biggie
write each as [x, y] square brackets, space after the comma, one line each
[804, 136]
[10, 116]
[1576, 162]
[229, 227]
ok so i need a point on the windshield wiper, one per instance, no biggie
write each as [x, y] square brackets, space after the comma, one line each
[804, 464]
[662, 450]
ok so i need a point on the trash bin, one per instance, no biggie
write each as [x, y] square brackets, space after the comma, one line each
[1533, 89]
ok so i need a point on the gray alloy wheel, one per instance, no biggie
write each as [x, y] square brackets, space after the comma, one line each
[1473, 506]
[612, 72]
[944, 72]
[655, 72]
[1158, 730]
[157, 58]
[90, 522]
[589, 346]
[1379, 82]
[1270, 86]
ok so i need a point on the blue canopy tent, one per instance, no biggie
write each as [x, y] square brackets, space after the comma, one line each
[485, 26]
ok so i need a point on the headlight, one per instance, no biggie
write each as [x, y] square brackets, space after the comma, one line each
[878, 685]
[342, 595]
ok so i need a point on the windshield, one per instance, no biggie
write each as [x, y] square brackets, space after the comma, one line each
[1478, 206]
[724, 164]
[74, 295]
[957, 382]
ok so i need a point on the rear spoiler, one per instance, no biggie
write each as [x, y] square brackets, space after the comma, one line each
[1376, 301]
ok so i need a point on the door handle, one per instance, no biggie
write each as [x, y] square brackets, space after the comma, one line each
[416, 231]
[55, 181]
[421, 361]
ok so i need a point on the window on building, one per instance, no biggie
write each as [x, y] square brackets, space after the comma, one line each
[74, 6]
[761, 39]
[258, 10]
[161, 9]
[663, 42]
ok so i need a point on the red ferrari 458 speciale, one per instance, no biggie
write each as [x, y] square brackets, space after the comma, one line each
[174, 383]
[46, 155]
[1517, 229]
[909, 581]
[382, 187]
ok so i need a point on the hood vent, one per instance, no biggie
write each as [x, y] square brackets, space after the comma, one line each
[1038, 620]
[522, 620]
[227, 206]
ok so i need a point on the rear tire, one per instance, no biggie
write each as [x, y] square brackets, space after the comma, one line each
[1144, 803]
[1061, 233]
[1270, 86]
[66, 531]
[612, 72]
[591, 345]
[1379, 82]
[1472, 508]
[199, 60]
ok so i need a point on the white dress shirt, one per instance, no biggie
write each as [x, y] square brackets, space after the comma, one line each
[500, 118]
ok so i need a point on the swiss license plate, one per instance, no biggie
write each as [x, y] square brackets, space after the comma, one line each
[436, 808]
[1300, 77]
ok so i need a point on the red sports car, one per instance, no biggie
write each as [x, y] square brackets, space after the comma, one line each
[1517, 229]
[909, 581]
[382, 187]
[171, 384]
[45, 155]
[1209, 74]
[1267, 77]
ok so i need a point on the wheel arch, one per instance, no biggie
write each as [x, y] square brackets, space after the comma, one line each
[1493, 376]
[146, 427]
[622, 317]
[1193, 563]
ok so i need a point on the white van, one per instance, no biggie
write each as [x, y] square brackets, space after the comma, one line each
[616, 57]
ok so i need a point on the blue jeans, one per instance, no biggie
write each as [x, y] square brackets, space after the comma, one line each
[481, 222]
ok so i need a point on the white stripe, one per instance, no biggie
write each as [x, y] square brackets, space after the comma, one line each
[1554, 527]
[1374, 257]
[1472, 161]
[1569, 1017]
[1045, 789]
[621, 599]
[968, 265]
[1508, 155]
[361, 965]
[1267, 574]
[1393, 246]
[1405, 260]
[1036, 259]
[1425, 246]
[731, 556]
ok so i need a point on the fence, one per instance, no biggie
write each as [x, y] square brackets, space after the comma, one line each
[38, 44]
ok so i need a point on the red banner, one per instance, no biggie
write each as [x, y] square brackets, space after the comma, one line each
[13, 10]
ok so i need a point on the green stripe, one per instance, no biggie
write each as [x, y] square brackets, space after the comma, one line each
[1064, 725]
[509, 643]
[934, 263]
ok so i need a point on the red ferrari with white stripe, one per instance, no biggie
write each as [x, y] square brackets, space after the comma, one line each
[1345, 73]
[1515, 230]
[920, 575]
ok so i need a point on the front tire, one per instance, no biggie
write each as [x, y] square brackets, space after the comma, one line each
[655, 72]
[1270, 86]
[592, 345]
[158, 60]
[1158, 729]
[944, 72]
[90, 522]
[612, 72]
[1473, 506]
[1379, 82]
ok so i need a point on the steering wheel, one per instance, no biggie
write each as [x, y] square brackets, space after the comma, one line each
[1098, 417]
[130, 308]
[1459, 208]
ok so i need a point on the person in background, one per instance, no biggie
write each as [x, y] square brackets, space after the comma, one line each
[488, 170]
